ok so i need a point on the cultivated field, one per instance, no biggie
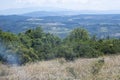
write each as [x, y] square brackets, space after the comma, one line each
[104, 68]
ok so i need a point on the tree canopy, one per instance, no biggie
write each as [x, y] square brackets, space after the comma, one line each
[35, 44]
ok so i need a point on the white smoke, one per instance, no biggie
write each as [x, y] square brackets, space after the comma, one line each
[8, 57]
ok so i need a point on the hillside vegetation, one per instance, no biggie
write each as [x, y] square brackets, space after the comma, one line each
[36, 45]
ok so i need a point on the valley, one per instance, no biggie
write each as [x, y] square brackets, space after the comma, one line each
[102, 25]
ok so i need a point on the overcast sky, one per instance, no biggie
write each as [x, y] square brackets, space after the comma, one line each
[66, 4]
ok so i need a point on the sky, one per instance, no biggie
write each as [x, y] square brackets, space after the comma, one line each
[65, 4]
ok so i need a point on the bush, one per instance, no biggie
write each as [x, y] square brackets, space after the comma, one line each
[34, 45]
[66, 52]
[87, 51]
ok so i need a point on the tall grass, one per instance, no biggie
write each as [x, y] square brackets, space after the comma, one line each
[107, 68]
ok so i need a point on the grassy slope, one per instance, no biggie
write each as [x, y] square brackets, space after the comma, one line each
[107, 68]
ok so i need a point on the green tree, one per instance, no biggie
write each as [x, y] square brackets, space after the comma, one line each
[78, 34]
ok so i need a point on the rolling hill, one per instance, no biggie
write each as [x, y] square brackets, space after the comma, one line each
[102, 25]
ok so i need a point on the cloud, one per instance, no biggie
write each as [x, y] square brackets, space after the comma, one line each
[68, 4]
[27, 1]
[52, 1]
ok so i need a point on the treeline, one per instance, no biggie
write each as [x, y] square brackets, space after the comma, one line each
[36, 45]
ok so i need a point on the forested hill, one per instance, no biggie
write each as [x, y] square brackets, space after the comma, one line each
[35, 45]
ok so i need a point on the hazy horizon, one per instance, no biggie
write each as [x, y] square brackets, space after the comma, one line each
[24, 6]
[66, 4]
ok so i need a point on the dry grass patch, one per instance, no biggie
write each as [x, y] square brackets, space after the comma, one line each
[107, 68]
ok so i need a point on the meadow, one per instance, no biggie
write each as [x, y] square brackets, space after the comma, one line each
[102, 68]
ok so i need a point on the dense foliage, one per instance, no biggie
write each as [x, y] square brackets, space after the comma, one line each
[34, 45]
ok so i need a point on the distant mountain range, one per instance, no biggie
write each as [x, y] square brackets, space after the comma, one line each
[51, 13]
[47, 11]
[19, 11]
[67, 13]
[61, 21]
